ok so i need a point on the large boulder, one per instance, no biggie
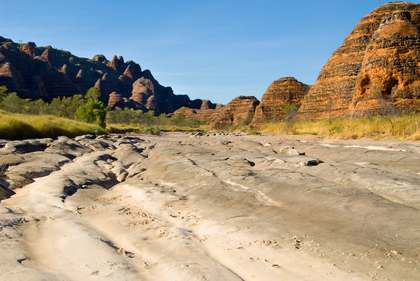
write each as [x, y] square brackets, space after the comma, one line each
[143, 86]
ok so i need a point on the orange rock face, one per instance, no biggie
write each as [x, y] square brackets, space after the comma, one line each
[238, 111]
[206, 111]
[282, 92]
[200, 114]
[376, 68]
[29, 49]
[114, 98]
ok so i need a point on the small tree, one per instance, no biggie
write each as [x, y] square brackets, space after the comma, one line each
[92, 112]
[3, 93]
[93, 93]
[289, 115]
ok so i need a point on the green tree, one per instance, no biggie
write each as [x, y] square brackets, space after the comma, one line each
[3, 93]
[179, 119]
[163, 119]
[56, 107]
[38, 107]
[93, 93]
[92, 112]
[149, 117]
[13, 103]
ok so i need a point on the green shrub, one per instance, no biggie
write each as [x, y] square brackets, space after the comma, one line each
[254, 133]
[92, 111]
[295, 132]
[150, 131]
[335, 129]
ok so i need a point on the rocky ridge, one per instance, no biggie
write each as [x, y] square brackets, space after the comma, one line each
[46, 73]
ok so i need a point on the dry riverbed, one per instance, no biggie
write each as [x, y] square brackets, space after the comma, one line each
[185, 206]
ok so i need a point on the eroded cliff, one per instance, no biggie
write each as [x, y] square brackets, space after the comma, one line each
[374, 71]
[46, 73]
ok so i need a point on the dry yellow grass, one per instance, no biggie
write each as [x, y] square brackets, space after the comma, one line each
[405, 127]
[19, 126]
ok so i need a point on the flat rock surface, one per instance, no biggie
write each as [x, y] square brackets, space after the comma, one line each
[185, 206]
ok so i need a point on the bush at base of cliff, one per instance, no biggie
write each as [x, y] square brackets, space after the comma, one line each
[151, 131]
[254, 133]
[131, 129]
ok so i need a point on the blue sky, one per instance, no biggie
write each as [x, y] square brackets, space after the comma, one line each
[213, 50]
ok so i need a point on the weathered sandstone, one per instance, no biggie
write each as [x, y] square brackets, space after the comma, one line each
[239, 111]
[114, 99]
[284, 93]
[185, 206]
[206, 111]
[29, 49]
[132, 71]
[375, 70]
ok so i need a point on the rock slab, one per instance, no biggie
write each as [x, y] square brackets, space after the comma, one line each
[184, 206]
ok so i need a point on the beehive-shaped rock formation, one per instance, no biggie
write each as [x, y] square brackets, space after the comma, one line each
[376, 68]
[282, 93]
[236, 112]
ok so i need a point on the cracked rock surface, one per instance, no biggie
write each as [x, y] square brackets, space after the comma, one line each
[209, 207]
